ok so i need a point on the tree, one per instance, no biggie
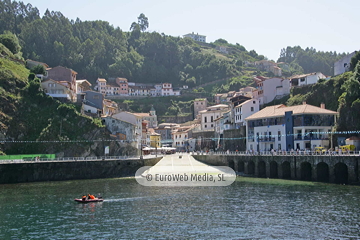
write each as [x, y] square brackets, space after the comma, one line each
[354, 60]
[11, 42]
[253, 53]
[38, 69]
[143, 22]
[221, 41]
[133, 26]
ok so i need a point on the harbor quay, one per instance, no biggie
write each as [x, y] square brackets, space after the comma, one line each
[341, 169]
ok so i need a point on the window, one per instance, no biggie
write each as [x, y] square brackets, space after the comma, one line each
[252, 109]
[212, 119]
[205, 120]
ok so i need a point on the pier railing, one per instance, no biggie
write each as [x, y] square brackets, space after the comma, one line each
[281, 153]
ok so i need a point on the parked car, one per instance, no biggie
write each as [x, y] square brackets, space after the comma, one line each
[320, 150]
[347, 148]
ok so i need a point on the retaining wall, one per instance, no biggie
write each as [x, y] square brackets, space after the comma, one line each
[70, 170]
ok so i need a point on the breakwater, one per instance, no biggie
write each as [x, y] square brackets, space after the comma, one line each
[71, 170]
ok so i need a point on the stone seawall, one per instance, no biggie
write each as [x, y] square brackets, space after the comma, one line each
[322, 168]
[70, 170]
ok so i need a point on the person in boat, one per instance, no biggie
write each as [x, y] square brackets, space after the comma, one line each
[83, 198]
[91, 196]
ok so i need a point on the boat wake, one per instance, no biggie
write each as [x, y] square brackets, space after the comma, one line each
[122, 199]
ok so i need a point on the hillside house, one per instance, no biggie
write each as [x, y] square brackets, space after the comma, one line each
[58, 89]
[243, 109]
[63, 74]
[94, 104]
[270, 88]
[196, 37]
[123, 86]
[101, 85]
[209, 115]
[199, 105]
[306, 79]
[31, 64]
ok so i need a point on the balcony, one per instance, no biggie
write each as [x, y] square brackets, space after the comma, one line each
[266, 139]
[321, 137]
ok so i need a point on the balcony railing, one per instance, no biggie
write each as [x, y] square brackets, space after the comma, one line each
[297, 138]
[267, 139]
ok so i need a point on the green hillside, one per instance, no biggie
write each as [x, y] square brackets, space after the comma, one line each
[34, 121]
[340, 93]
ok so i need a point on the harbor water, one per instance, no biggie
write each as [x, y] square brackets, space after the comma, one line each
[249, 208]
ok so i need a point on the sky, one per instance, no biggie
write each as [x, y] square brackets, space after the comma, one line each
[261, 25]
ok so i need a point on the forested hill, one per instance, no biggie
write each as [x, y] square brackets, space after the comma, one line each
[309, 60]
[97, 49]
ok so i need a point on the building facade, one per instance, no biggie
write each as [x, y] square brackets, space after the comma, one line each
[301, 127]
[123, 86]
[64, 75]
[165, 130]
[209, 115]
[58, 89]
[101, 85]
[306, 79]
[270, 88]
[244, 110]
[200, 104]
[196, 37]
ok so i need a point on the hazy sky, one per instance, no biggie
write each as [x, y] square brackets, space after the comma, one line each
[263, 25]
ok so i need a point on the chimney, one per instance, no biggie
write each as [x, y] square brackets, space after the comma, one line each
[304, 103]
[322, 105]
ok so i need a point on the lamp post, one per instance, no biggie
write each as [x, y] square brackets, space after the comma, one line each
[141, 152]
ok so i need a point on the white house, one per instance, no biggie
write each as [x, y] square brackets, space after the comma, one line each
[176, 92]
[270, 88]
[196, 37]
[101, 85]
[209, 115]
[180, 137]
[244, 110]
[158, 89]
[167, 90]
[285, 128]
[306, 79]
[343, 64]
